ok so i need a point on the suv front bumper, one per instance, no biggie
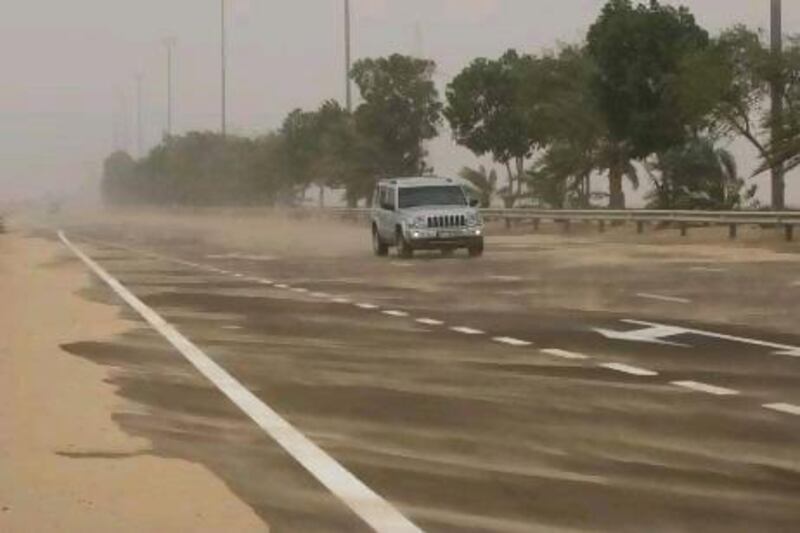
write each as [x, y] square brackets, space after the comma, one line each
[449, 237]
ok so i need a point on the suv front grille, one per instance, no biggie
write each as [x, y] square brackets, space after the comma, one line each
[447, 221]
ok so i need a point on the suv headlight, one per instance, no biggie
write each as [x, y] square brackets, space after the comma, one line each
[418, 222]
[473, 219]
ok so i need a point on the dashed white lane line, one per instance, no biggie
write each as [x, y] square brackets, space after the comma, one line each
[366, 306]
[430, 322]
[628, 369]
[238, 275]
[704, 387]
[265, 281]
[320, 295]
[368, 505]
[662, 298]
[564, 354]
[300, 290]
[341, 301]
[467, 331]
[511, 341]
[784, 408]
[392, 312]
[712, 270]
[282, 286]
[505, 278]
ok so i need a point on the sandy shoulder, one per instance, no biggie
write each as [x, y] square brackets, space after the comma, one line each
[64, 464]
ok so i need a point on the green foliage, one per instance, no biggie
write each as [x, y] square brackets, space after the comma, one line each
[638, 51]
[697, 175]
[491, 109]
[401, 110]
[483, 181]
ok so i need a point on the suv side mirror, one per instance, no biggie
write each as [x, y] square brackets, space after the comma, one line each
[474, 202]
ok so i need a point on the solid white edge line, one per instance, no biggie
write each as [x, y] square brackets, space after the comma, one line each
[367, 306]
[628, 369]
[787, 408]
[367, 504]
[392, 312]
[704, 387]
[467, 331]
[564, 354]
[341, 301]
[672, 299]
[512, 341]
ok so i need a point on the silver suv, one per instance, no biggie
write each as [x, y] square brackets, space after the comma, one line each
[424, 214]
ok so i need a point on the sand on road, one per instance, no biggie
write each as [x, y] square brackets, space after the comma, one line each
[64, 463]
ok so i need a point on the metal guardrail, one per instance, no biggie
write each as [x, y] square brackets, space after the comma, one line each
[683, 219]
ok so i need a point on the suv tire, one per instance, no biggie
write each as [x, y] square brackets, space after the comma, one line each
[476, 250]
[404, 249]
[380, 248]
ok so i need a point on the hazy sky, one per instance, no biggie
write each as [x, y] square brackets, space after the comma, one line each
[67, 95]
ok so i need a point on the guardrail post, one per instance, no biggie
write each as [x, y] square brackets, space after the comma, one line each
[567, 225]
[508, 223]
[789, 232]
[684, 229]
[639, 227]
[602, 226]
[535, 224]
[732, 231]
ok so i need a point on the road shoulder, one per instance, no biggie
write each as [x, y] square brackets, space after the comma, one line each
[66, 465]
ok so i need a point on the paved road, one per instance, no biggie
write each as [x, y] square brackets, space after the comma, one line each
[476, 395]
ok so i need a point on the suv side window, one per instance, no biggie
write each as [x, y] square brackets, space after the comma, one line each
[387, 198]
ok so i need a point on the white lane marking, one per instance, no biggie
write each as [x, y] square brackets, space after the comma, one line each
[399, 264]
[505, 278]
[299, 289]
[663, 330]
[341, 301]
[430, 322]
[282, 286]
[627, 369]
[467, 331]
[320, 295]
[704, 387]
[232, 328]
[265, 281]
[654, 334]
[368, 505]
[707, 269]
[671, 299]
[367, 306]
[784, 408]
[796, 284]
[238, 275]
[564, 354]
[392, 312]
[512, 341]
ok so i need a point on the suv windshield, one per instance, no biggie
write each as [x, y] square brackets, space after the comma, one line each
[419, 196]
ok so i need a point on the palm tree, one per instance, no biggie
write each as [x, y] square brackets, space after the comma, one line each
[483, 181]
[697, 175]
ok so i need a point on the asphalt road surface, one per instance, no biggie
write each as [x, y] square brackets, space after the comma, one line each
[557, 384]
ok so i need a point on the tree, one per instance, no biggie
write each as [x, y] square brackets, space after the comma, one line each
[483, 181]
[401, 110]
[638, 52]
[697, 175]
[489, 112]
[119, 170]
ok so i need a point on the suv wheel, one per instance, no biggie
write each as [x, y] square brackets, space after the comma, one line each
[380, 248]
[476, 250]
[404, 249]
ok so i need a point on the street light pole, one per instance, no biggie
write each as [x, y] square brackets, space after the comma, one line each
[170, 44]
[139, 136]
[224, 66]
[776, 34]
[348, 89]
